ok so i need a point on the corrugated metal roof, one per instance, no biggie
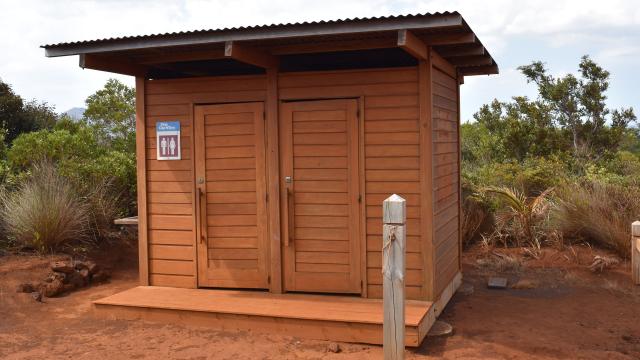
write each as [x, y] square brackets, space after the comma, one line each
[442, 30]
[250, 28]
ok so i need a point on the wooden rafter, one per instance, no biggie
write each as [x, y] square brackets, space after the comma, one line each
[479, 70]
[159, 58]
[449, 39]
[460, 50]
[118, 66]
[442, 64]
[250, 55]
[412, 44]
[476, 60]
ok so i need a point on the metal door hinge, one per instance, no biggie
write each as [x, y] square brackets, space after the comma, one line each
[268, 279]
[360, 198]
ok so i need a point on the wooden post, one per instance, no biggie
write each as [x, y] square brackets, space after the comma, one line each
[394, 220]
[635, 252]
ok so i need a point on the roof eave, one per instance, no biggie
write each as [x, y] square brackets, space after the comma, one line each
[451, 20]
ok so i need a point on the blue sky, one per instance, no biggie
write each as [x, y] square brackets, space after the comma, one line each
[557, 32]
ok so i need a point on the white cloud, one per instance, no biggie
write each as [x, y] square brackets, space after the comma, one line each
[610, 31]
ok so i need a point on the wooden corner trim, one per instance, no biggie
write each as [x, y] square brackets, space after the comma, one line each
[273, 181]
[141, 176]
[426, 175]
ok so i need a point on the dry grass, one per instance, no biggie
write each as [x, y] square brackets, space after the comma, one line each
[474, 214]
[498, 262]
[600, 263]
[599, 213]
[104, 205]
[45, 212]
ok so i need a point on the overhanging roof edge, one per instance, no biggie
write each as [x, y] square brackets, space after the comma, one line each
[261, 33]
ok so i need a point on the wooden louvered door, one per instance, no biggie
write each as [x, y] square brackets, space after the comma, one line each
[319, 196]
[231, 220]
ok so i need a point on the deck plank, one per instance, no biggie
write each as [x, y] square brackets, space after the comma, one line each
[293, 306]
[321, 317]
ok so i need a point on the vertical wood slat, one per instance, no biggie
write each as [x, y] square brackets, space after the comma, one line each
[286, 166]
[200, 212]
[273, 180]
[425, 100]
[194, 193]
[459, 120]
[143, 249]
[635, 252]
[363, 201]
[393, 269]
[354, 190]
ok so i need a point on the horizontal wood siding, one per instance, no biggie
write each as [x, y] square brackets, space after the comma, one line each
[445, 179]
[170, 183]
[391, 153]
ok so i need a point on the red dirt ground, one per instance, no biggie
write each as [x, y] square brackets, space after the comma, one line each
[571, 313]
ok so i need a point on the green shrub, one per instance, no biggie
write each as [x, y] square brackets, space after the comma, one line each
[77, 151]
[45, 212]
[621, 169]
[598, 212]
[531, 176]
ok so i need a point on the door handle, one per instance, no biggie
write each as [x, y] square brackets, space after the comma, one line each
[290, 217]
[199, 214]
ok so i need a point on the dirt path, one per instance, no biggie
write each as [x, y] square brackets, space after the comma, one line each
[571, 313]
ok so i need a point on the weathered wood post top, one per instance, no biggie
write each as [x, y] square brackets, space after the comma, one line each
[395, 210]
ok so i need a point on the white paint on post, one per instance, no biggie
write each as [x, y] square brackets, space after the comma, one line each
[394, 220]
[635, 252]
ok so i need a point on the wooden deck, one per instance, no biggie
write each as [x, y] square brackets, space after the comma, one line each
[323, 317]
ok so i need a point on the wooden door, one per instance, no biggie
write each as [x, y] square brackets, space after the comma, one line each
[231, 220]
[319, 197]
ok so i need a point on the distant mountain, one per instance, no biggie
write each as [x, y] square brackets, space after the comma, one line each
[75, 113]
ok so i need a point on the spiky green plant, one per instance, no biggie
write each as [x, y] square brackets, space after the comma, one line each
[520, 218]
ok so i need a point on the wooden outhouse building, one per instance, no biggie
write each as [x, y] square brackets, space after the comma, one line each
[264, 154]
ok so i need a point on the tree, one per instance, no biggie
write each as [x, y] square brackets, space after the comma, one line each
[112, 110]
[578, 105]
[17, 117]
[516, 130]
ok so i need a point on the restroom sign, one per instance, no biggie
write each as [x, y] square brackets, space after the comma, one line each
[168, 140]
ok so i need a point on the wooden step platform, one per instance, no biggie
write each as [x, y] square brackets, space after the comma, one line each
[322, 317]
